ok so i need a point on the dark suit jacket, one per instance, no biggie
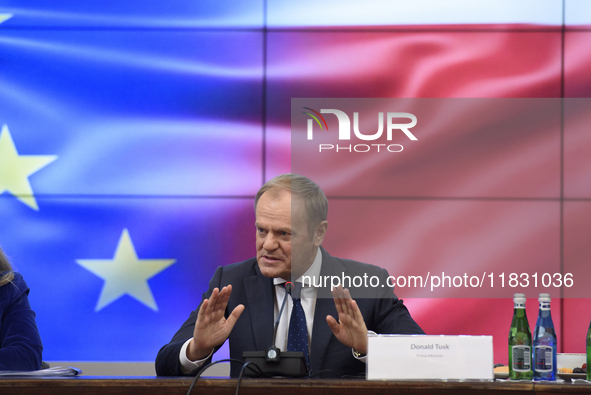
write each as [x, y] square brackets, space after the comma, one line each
[20, 343]
[381, 310]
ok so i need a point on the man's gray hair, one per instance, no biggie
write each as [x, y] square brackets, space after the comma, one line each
[314, 198]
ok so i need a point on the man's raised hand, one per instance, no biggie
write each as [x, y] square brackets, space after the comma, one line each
[350, 329]
[212, 328]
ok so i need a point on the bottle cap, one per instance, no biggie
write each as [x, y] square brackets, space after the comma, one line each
[519, 297]
[544, 298]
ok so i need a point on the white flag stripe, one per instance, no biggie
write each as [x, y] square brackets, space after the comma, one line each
[577, 12]
[306, 13]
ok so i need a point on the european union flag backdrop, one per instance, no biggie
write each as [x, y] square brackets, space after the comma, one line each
[126, 131]
[135, 134]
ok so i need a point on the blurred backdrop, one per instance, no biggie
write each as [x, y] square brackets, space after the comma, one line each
[135, 135]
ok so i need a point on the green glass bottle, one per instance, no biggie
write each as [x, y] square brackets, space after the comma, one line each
[589, 353]
[520, 342]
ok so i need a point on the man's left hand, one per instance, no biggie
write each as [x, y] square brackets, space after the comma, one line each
[350, 329]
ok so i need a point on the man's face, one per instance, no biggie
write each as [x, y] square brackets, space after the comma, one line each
[283, 241]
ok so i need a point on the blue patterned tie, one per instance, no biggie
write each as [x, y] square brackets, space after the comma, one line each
[297, 339]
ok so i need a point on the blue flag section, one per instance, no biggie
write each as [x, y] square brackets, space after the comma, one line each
[114, 106]
[151, 14]
[130, 153]
[112, 279]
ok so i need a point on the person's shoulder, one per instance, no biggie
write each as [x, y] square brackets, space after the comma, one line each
[14, 288]
[356, 266]
[241, 268]
[19, 279]
[363, 280]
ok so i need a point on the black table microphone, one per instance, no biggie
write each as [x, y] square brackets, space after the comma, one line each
[275, 362]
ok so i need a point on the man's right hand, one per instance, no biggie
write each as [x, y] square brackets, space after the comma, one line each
[212, 328]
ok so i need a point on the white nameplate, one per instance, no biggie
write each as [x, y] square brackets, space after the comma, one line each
[419, 357]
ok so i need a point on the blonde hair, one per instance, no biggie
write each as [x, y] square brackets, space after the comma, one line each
[6, 268]
[314, 198]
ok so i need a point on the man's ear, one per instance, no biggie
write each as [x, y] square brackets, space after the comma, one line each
[320, 233]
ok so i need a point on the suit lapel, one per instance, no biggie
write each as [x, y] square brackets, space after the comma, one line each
[321, 333]
[259, 292]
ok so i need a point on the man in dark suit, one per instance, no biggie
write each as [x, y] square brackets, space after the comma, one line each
[291, 213]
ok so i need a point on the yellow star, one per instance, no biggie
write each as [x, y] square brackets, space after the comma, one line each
[5, 17]
[15, 169]
[126, 274]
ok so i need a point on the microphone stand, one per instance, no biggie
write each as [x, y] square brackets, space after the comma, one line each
[273, 353]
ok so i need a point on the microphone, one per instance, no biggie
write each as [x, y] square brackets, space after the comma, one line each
[273, 353]
[275, 362]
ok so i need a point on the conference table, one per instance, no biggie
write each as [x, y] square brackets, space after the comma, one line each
[145, 385]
